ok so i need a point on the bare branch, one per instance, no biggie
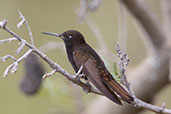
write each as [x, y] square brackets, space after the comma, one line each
[49, 74]
[52, 64]
[165, 7]
[7, 57]
[3, 23]
[24, 21]
[137, 102]
[13, 34]
[21, 47]
[94, 5]
[148, 20]
[14, 66]
[124, 60]
[151, 107]
[8, 70]
[87, 5]
[143, 84]
[7, 40]
[20, 23]
[83, 9]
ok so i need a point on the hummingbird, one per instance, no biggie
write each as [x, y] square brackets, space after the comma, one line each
[81, 54]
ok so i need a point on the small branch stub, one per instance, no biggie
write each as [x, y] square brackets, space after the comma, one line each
[49, 74]
[21, 47]
[7, 57]
[23, 20]
[8, 40]
[3, 23]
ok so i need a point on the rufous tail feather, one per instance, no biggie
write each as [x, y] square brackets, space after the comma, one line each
[120, 91]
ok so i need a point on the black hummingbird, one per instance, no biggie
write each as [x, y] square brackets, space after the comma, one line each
[81, 54]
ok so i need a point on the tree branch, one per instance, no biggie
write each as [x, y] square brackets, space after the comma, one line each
[24, 21]
[52, 64]
[152, 108]
[137, 102]
[148, 20]
[73, 78]
[151, 75]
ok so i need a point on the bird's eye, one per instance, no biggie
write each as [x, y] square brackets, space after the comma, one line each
[69, 36]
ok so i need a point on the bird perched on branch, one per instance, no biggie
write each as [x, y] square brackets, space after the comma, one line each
[81, 54]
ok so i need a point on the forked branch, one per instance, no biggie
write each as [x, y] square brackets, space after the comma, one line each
[56, 67]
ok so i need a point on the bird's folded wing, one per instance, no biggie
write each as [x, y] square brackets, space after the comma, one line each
[116, 87]
[91, 71]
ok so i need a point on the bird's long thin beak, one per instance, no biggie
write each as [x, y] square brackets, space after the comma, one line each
[53, 34]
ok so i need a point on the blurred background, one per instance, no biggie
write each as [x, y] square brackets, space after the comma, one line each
[57, 95]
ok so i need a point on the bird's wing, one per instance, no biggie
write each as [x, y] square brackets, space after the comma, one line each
[100, 78]
[116, 87]
[70, 57]
[91, 71]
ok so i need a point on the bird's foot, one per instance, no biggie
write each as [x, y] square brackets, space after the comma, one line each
[82, 76]
[88, 83]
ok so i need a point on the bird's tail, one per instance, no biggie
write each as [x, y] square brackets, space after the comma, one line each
[114, 86]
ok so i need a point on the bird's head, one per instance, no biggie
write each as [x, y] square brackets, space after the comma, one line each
[70, 37]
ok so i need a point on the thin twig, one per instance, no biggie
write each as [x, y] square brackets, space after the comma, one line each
[8, 40]
[24, 21]
[13, 67]
[87, 5]
[7, 57]
[93, 5]
[151, 107]
[3, 23]
[124, 60]
[122, 55]
[83, 10]
[21, 47]
[49, 74]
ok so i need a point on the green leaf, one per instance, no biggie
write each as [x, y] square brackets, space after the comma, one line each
[115, 68]
[116, 75]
